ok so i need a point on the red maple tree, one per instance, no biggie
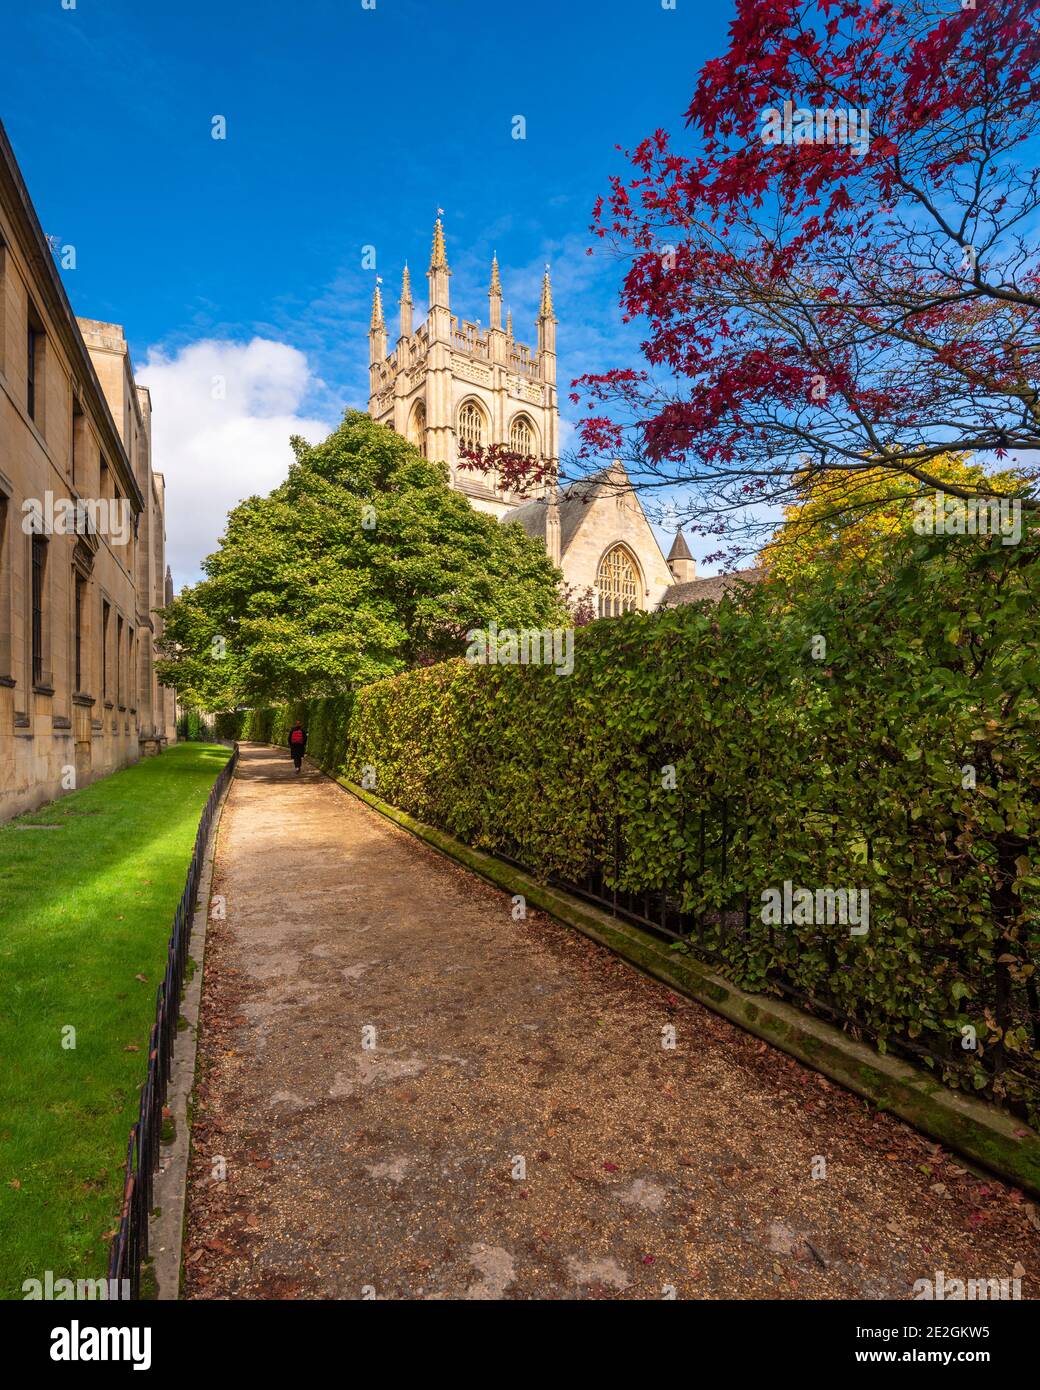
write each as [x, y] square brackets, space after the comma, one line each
[843, 274]
[523, 474]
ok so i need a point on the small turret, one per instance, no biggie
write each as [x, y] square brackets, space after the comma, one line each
[680, 561]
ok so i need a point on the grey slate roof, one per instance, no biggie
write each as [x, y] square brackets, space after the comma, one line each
[531, 516]
[574, 499]
[712, 588]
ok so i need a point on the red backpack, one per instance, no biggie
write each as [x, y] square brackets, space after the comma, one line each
[296, 736]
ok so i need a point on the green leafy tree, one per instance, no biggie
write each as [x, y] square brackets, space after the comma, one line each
[362, 563]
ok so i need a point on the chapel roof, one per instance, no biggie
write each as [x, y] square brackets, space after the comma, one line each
[574, 500]
[711, 588]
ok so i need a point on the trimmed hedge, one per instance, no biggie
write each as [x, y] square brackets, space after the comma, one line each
[704, 755]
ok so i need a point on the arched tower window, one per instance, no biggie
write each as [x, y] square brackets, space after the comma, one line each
[471, 426]
[617, 583]
[417, 428]
[521, 436]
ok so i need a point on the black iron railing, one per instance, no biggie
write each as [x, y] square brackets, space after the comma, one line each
[130, 1243]
[731, 933]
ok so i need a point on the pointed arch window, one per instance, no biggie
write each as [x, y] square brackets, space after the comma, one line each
[617, 583]
[521, 436]
[471, 426]
[417, 428]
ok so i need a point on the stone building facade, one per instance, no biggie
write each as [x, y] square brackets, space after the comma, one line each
[449, 385]
[606, 544]
[82, 532]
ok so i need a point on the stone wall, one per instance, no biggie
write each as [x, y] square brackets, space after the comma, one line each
[78, 697]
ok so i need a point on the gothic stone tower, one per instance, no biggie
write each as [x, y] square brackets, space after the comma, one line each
[448, 385]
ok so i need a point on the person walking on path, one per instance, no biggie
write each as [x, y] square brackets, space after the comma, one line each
[298, 744]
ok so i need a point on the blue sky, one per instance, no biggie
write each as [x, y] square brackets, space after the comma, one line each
[346, 127]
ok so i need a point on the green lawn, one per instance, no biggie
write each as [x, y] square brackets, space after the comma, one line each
[85, 917]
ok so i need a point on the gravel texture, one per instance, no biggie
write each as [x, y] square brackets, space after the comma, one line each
[517, 1127]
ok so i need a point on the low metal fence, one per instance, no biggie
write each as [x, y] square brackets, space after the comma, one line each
[733, 932]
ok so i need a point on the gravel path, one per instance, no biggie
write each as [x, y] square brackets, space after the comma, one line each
[518, 1129]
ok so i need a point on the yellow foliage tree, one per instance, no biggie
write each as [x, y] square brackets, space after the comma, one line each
[842, 518]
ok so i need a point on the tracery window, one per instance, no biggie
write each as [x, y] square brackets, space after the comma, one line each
[521, 436]
[617, 583]
[471, 426]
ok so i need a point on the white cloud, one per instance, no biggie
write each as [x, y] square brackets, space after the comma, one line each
[222, 414]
